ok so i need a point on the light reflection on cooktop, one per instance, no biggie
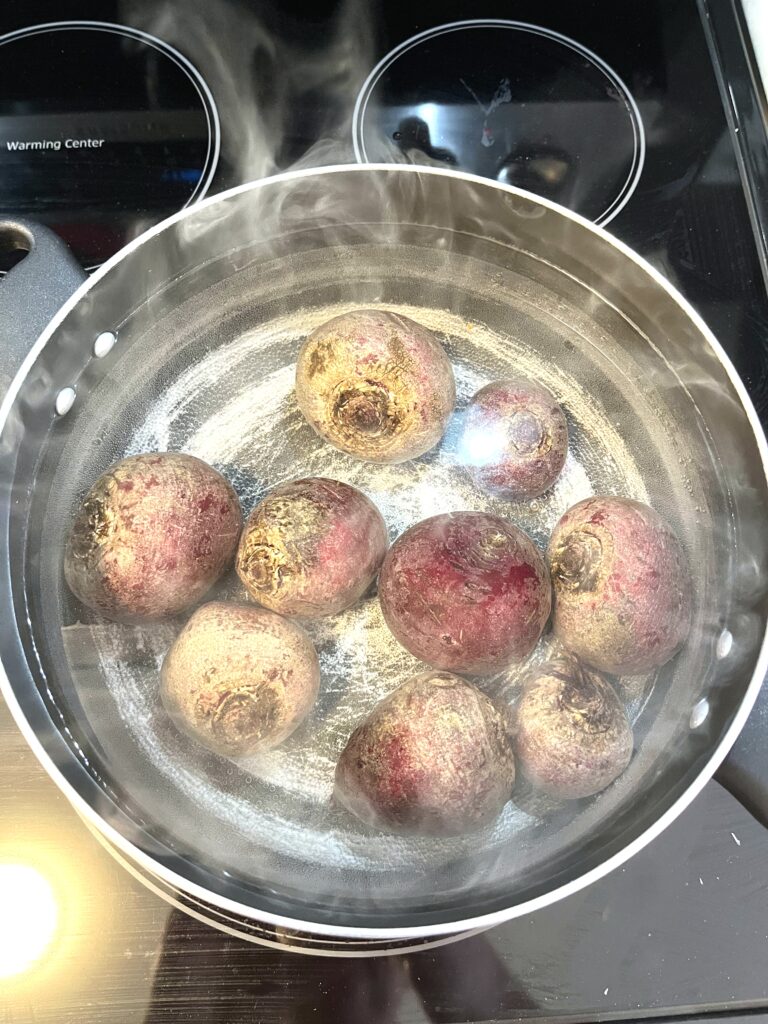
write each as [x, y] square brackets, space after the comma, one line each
[511, 101]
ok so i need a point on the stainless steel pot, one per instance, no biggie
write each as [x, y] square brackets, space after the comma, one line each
[187, 340]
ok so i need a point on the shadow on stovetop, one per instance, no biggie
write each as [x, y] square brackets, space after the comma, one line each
[210, 977]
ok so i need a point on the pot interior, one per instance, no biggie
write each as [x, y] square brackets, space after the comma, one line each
[209, 315]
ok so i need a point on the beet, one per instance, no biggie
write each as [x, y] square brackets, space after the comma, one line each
[376, 385]
[465, 591]
[151, 537]
[621, 583]
[571, 733]
[312, 547]
[515, 439]
[433, 758]
[239, 679]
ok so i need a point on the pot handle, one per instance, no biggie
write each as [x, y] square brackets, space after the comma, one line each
[32, 290]
[744, 772]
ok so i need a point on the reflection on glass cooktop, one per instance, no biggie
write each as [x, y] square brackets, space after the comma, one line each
[509, 101]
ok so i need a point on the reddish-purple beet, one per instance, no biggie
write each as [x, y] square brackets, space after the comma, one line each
[433, 758]
[571, 734]
[239, 678]
[376, 385]
[465, 591]
[312, 547]
[515, 439]
[151, 537]
[621, 583]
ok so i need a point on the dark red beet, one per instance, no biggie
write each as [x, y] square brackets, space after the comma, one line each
[571, 734]
[622, 586]
[151, 537]
[515, 439]
[433, 758]
[465, 591]
[312, 547]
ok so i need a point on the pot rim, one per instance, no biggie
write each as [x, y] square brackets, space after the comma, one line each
[478, 922]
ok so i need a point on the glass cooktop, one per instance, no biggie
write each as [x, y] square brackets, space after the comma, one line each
[114, 115]
[511, 101]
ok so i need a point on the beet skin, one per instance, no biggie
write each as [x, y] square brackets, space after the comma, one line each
[622, 586]
[151, 537]
[433, 758]
[465, 591]
[571, 733]
[376, 385]
[515, 439]
[239, 678]
[312, 547]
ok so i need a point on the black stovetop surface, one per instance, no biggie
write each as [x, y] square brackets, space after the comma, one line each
[284, 78]
[683, 929]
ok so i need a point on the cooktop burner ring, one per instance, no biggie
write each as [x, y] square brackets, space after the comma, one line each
[49, 127]
[207, 101]
[616, 87]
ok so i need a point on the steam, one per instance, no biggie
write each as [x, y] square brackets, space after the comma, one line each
[228, 399]
[266, 84]
[233, 405]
